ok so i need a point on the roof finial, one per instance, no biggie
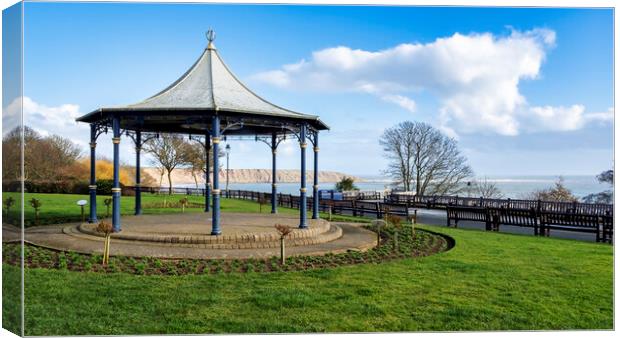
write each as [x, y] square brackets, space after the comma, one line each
[210, 38]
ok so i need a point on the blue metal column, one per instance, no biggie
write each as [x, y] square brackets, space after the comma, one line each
[215, 226]
[138, 198]
[92, 187]
[302, 191]
[274, 187]
[208, 173]
[116, 189]
[315, 185]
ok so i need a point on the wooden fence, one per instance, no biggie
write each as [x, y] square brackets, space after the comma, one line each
[441, 202]
[372, 203]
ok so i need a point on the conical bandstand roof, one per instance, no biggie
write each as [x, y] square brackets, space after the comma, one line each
[209, 87]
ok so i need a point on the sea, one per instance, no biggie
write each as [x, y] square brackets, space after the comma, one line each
[510, 186]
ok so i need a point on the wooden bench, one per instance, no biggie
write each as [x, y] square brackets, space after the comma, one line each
[514, 217]
[339, 206]
[285, 200]
[398, 210]
[459, 213]
[427, 202]
[573, 222]
[362, 208]
[294, 202]
[607, 221]
[325, 205]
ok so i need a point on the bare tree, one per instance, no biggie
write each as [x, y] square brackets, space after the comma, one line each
[11, 153]
[58, 152]
[196, 159]
[558, 193]
[606, 196]
[486, 189]
[45, 158]
[169, 152]
[424, 159]
[161, 171]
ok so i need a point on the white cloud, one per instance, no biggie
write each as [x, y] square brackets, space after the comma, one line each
[46, 120]
[403, 101]
[11, 115]
[602, 117]
[558, 118]
[475, 78]
[565, 118]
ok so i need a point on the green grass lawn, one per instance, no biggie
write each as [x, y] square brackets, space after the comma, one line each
[62, 208]
[488, 281]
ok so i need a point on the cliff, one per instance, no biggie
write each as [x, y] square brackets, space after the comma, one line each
[183, 176]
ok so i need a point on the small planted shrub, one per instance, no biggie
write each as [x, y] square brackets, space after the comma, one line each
[261, 202]
[378, 224]
[36, 205]
[183, 202]
[8, 203]
[62, 261]
[108, 203]
[396, 223]
[284, 231]
[105, 228]
[140, 267]
[157, 263]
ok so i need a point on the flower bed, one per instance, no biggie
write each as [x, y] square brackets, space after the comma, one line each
[424, 243]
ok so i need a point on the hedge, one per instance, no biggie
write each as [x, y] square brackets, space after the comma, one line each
[104, 187]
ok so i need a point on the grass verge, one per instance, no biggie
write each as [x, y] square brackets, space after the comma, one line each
[488, 281]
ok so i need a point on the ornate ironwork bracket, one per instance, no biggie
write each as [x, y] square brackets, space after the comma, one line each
[267, 140]
[202, 140]
[312, 136]
[100, 129]
[145, 137]
[232, 126]
[295, 132]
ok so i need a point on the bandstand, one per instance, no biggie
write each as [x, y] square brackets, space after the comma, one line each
[209, 103]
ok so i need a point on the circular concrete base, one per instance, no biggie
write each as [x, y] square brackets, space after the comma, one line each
[187, 236]
[239, 230]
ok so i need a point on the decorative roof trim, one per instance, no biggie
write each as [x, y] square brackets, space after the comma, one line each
[211, 49]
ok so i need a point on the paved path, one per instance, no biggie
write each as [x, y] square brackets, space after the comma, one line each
[11, 233]
[354, 238]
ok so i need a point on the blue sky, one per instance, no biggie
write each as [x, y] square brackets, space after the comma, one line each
[525, 91]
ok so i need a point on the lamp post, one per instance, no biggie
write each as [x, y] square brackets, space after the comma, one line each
[227, 166]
